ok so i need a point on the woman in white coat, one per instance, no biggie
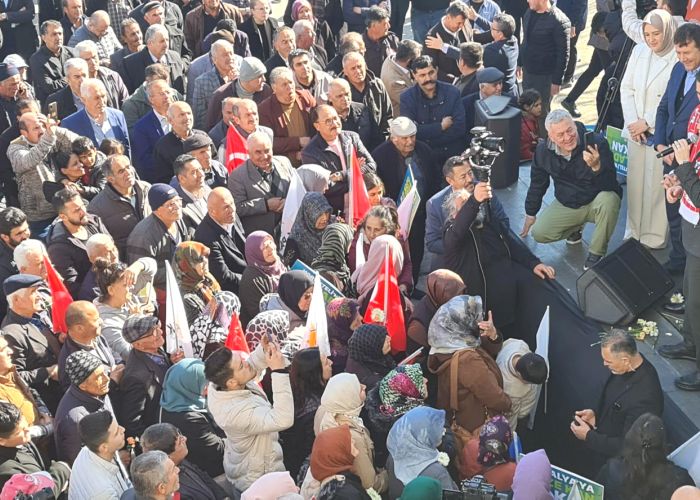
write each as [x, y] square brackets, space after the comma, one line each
[643, 85]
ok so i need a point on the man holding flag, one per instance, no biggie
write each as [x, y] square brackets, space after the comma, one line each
[332, 148]
[245, 122]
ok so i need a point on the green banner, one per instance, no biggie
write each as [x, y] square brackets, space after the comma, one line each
[563, 482]
[618, 147]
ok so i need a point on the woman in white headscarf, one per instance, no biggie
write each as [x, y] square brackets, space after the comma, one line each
[341, 403]
[642, 87]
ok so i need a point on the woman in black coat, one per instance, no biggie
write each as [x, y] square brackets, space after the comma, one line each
[183, 404]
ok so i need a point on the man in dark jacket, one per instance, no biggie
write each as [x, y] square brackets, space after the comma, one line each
[222, 232]
[18, 31]
[260, 28]
[18, 455]
[144, 374]
[436, 109]
[159, 234]
[354, 116]
[332, 148]
[14, 229]
[577, 12]
[368, 89]
[545, 49]
[202, 20]
[492, 261]
[46, 64]
[194, 482]
[380, 43]
[35, 348]
[449, 29]
[503, 52]
[88, 393]
[585, 187]
[632, 389]
[393, 158]
[156, 50]
[67, 236]
[122, 203]
[68, 99]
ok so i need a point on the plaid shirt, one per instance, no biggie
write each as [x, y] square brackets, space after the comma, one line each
[118, 10]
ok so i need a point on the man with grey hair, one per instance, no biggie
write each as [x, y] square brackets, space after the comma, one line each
[148, 130]
[354, 116]
[155, 51]
[259, 186]
[116, 90]
[306, 40]
[224, 71]
[68, 98]
[260, 28]
[287, 112]
[284, 43]
[503, 52]
[585, 187]
[29, 258]
[154, 476]
[632, 389]
[243, 116]
[96, 120]
[98, 29]
[46, 65]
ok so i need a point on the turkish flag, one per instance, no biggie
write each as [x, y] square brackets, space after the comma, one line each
[236, 149]
[236, 339]
[385, 305]
[61, 298]
[359, 200]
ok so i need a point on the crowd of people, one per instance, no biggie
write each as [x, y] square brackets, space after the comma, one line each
[206, 150]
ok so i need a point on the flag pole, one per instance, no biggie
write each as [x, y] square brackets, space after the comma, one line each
[350, 216]
[386, 283]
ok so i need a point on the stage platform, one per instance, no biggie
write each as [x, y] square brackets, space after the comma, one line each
[682, 408]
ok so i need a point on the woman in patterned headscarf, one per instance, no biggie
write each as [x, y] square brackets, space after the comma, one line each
[275, 323]
[313, 217]
[368, 354]
[262, 275]
[331, 258]
[197, 285]
[401, 390]
[491, 454]
[343, 319]
[458, 334]
[413, 447]
[210, 329]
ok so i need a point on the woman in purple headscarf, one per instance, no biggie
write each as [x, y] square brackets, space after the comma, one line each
[343, 319]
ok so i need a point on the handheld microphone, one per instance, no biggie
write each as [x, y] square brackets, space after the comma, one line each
[692, 139]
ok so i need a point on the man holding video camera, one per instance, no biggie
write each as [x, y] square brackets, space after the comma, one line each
[585, 187]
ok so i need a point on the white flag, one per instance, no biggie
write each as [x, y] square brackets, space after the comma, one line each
[575, 493]
[316, 320]
[543, 350]
[177, 331]
[687, 456]
[292, 202]
[407, 210]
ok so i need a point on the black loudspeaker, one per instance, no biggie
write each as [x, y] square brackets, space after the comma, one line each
[622, 285]
[497, 115]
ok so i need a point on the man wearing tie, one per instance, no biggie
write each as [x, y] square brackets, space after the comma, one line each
[155, 51]
[151, 127]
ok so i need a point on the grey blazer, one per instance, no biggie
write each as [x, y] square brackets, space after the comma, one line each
[251, 193]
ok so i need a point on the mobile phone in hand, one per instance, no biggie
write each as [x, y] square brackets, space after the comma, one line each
[588, 139]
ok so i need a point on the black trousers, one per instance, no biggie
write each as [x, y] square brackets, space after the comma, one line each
[573, 56]
[691, 292]
[399, 8]
[599, 61]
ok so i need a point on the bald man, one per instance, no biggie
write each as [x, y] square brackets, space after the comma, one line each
[686, 493]
[98, 29]
[85, 334]
[222, 231]
[170, 146]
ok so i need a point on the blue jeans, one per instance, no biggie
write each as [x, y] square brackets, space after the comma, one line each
[422, 21]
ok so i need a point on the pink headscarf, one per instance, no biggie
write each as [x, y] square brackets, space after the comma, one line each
[366, 275]
[296, 7]
[271, 486]
[533, 477]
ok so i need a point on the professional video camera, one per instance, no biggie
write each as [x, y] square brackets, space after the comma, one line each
[475, 488]
[483, 151]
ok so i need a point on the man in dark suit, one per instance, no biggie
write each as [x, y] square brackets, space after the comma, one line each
[35, 348]
[132, 41]
[68, 98]
[284, 43]
[156, 50]
[46, 65]
[96, 120]
[168, 14]
[393, 158]
[306, 40]
[149, 129]
[260, 28]
[449, 29]
[73, 18]
[503, 52]
[222, 231]
[672, 115]
[632, 389]
[260, 186]
[18, 31]
[144, 373]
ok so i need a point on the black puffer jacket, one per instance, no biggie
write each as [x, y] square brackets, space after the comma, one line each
[545, 49]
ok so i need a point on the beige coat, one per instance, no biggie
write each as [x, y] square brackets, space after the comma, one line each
[395, 81]
[252, 425]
